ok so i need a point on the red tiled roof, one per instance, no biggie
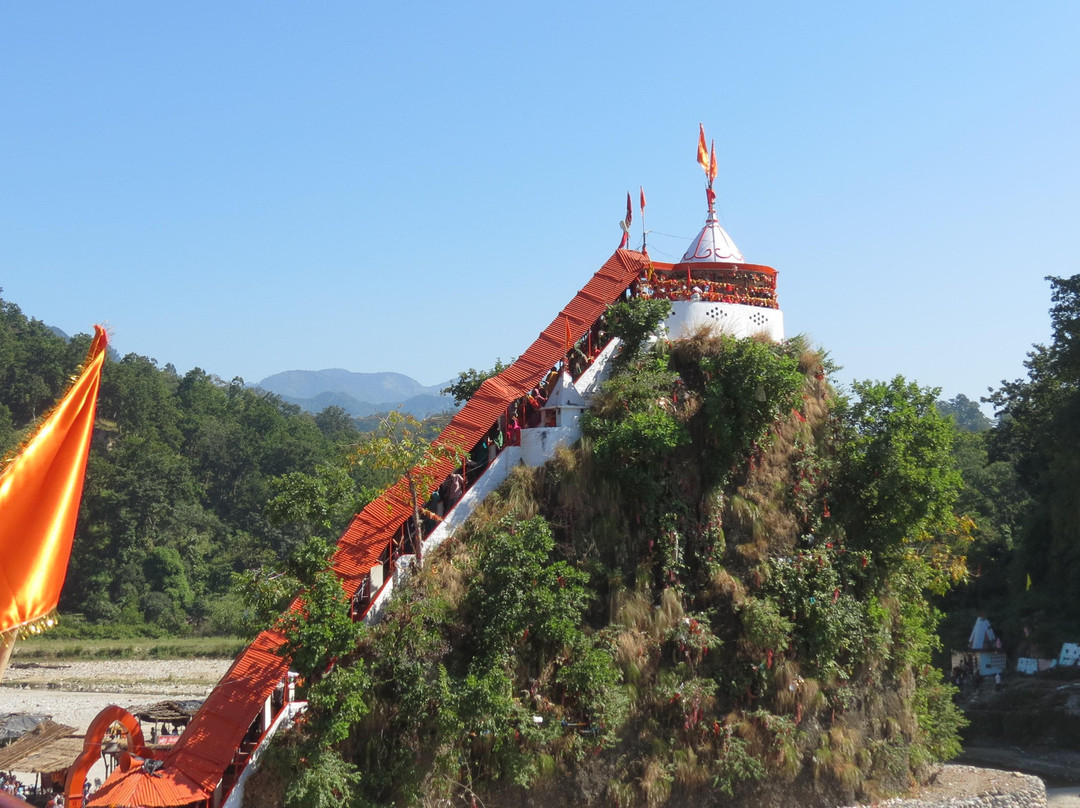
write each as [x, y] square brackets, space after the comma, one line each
[213, 736]
[138, 787]
[210, 741]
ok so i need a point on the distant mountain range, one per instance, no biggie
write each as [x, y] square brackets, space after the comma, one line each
[359, 394]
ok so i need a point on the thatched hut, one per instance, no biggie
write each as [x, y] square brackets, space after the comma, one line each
[14, 725]
[48, 750]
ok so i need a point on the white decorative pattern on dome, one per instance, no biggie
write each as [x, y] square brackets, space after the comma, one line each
[712, 244]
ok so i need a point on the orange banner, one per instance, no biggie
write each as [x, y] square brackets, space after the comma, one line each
[702, 149]
[39, 501]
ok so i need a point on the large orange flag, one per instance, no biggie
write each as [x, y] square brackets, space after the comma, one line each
[702, 149]
[39, 501]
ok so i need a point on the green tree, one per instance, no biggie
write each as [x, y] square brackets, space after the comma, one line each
[524, 593]
[468, 381]
[318, 504]
[965, 414]
[632, 321]
[1039, 435]
[35, 365]
[897, 481]
[338, 427]
[138, 397]
[401, 447]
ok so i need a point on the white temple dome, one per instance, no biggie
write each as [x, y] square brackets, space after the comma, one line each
[712, 245]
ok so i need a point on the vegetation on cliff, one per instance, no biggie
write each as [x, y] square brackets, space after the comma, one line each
[720, 593]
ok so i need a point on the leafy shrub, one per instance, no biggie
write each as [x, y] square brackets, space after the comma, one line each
[748, 384]
[632, 321]
[523, 594]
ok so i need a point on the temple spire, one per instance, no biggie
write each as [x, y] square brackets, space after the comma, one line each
[712, 243]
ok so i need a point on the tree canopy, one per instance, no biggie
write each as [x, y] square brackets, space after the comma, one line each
[189, 480]
[1038, 435]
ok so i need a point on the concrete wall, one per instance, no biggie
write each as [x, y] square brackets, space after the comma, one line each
[735, 319]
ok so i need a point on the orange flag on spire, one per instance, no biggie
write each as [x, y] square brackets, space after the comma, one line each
[712, 162]
[569, 335]
[39, 501]
[642, 198]
[702, 149]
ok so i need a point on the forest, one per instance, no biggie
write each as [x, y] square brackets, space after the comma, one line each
[191, 482]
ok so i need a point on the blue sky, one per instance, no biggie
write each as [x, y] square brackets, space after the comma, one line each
[419, 187]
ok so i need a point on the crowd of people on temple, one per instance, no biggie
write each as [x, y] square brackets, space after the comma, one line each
[526, 412]
[760, 291]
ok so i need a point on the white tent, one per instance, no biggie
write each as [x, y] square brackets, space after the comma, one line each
[982, 636]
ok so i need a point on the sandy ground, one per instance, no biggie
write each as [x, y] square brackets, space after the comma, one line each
[958, 781]
[1063, 797]
[74, 692]
[1054, 765]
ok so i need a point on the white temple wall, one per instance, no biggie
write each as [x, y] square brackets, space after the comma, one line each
[736, 319]
[538, 445]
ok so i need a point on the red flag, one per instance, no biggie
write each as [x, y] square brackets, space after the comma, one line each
[629, 211]
[569, 336]
[702, 150]
[712, 162]
[642, 199]
[39, 499]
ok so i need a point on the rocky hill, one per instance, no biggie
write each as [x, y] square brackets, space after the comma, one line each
[717, 598]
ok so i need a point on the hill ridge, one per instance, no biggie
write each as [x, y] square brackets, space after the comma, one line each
[358, 393]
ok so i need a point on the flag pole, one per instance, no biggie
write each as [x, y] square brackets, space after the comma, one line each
[644, 232]
[7, 644]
